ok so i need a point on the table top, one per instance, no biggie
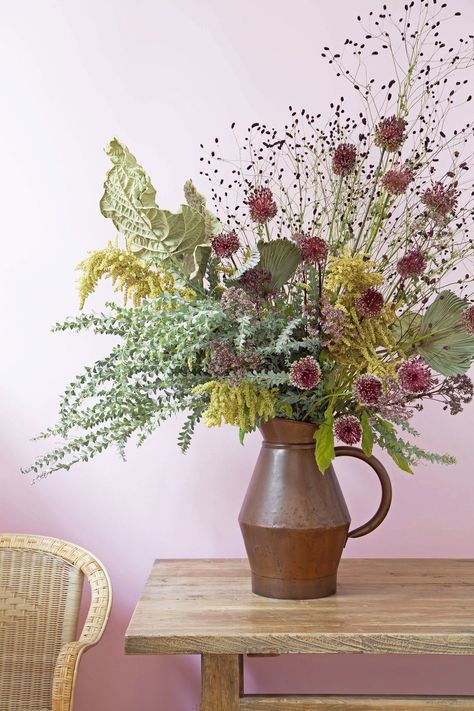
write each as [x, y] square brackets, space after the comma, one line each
[382, 606]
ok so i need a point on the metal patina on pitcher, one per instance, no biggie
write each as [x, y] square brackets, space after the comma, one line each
[294, 519]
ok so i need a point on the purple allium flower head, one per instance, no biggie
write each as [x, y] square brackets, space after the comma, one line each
[415, 376]
[367, 389]
[344, 159]
[262, 205]
[305, 373]
[347, 429]
[256, 282]
[314, 250]
[225, 244]
[370, 304]
[396, 182]
[390, 133]
[468, 318]
[440, 199]
[412, 264]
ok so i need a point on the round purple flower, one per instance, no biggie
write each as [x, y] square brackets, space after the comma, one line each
[396, 182]
[225, 244]
[390, 133]
[440, 199]
[344, 159]
[347, 429]
[314, 250]
[367, 389]
[412, 264]
[262, 205]
[256, 282]
[468, 318]
[370, 304]
[305, 373]
[415, 376]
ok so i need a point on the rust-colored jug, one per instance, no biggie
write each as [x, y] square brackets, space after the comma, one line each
[294, 520]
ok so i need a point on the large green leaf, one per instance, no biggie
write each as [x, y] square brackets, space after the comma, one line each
[281, 257]
[368, 438]
[444, 343]
[198, 202]
[177, 241]
[324, 451]
[129, 197]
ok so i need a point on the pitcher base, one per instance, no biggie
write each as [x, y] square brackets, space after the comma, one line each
[294, 589]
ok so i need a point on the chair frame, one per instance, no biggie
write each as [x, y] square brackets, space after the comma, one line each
[65, 672]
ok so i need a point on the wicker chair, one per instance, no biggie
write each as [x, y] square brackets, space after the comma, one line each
[40, 593]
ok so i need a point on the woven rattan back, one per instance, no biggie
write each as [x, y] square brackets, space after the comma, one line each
[40, 593]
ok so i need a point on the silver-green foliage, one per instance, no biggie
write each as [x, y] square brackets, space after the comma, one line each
[163, 352]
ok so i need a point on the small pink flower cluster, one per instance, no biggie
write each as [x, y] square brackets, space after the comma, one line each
[370, 304]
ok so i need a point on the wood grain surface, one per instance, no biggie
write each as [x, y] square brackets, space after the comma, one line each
[355, 703]
[394, 606]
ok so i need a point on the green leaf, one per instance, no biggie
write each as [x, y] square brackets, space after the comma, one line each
[445, 344]
[197, 201]
[367, 435]
[241, 435]
[400, 461]
[324, 436]
[406, 327]
[281, 257]
[176, 240]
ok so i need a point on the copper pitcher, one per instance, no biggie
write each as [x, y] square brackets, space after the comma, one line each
[294, 519]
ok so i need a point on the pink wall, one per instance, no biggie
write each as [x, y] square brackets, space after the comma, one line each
[164, 76]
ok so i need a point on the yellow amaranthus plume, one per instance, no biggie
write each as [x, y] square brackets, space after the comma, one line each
[238, 404]
[366, 343]
[353, 274]
[130, 275]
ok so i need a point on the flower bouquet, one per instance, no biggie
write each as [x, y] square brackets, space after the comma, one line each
[329, 284]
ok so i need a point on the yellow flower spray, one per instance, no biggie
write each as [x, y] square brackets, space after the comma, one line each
[237, 404]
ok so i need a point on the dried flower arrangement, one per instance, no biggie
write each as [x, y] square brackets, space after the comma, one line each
[331, 286]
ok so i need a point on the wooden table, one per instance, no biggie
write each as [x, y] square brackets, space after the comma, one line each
[383, 606]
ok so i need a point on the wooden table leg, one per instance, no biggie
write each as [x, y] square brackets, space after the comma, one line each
[222, 681]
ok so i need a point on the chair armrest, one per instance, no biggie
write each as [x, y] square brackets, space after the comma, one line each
[64, 678]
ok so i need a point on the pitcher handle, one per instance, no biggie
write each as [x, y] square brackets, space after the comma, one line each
[386, 499]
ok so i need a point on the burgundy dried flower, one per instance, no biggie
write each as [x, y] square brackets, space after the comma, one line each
[344, 159]
[457, 390]
[225, 244]
[305, 373]
[370, 304]
[262, 205]
[347, 429]
[440, 199]
[412, 264]
[468, 318]
[390, 133]
[396, 182]
[367, 389]
[256, 282]
[314, 250]
[333, 321]
[415, 376]
[223, 358]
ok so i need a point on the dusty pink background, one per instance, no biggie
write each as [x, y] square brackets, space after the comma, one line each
[164, 75]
